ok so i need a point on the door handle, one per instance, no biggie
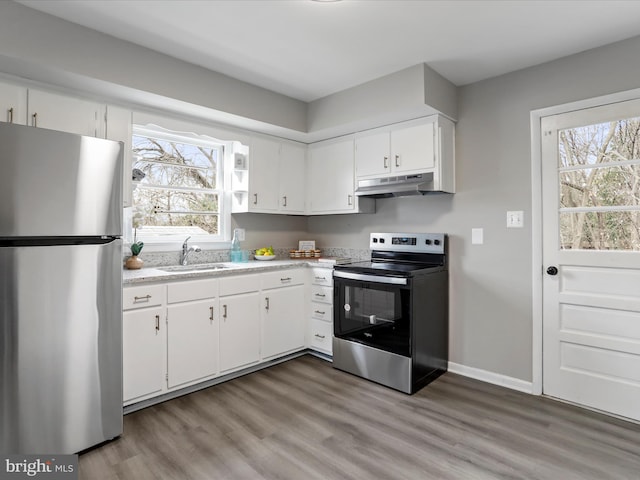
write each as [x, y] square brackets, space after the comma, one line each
[266, 306]
[11, 115]
[211, 314]
[552, 270]
[157, 323]
[224, 312]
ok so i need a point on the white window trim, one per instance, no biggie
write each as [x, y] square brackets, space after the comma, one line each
[207, 242]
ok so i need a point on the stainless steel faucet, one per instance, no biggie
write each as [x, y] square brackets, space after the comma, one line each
[186, 250]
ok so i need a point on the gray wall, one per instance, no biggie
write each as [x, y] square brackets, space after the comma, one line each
[42, 47]
[491, 300]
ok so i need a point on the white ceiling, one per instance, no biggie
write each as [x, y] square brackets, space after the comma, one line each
[307, 49]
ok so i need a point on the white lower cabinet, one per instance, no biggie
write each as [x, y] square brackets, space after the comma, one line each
[320, 326]
[192, 331]
[144, 342]
[240, 321]
[183, 333]
[283, 307]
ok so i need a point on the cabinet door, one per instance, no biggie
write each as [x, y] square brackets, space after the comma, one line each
[331, 177]
[142, 352]
[13, 103]
[264, 158]
[282, 320]
[373, 155]
[239, 330]
[192, 341]
[119, 124]
[292, 174]
[412, 149]
[67, 114]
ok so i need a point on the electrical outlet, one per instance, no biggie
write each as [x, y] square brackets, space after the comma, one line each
[240, 232]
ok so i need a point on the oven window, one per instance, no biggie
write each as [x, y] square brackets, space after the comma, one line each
[374, 315]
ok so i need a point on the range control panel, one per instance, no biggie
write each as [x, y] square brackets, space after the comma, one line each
[408, 242]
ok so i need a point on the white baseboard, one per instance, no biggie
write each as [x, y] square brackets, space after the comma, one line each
[490, 377]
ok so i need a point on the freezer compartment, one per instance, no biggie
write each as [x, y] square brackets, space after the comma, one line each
[55, 183]
[60, 347]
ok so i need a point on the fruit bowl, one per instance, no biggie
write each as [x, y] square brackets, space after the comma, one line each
[264, 257]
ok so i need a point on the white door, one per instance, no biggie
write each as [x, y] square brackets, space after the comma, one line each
[192, 342]
[239, 330]
[591, 253]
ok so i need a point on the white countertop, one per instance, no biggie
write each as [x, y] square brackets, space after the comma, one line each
[156, 274]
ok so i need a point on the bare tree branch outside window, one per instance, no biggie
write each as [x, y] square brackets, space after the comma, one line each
[599, 173]
[180, 192]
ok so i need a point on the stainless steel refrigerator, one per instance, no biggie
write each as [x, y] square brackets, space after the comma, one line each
[60, 291]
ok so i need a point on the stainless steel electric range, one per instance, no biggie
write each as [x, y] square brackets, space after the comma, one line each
[391, 321]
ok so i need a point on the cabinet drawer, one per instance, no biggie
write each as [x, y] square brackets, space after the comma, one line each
[192, 290]
[321, 294]
[239, 284]
[141, 297]
[282, 278]
[322, 311]
[321, 336]
[322, 276]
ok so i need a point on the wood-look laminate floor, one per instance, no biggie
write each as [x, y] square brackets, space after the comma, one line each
[305, 420]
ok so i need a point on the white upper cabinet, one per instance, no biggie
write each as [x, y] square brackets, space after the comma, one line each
[419, 146]
[331, 179]
[292, 176]
[276, 172]
[64, 113]
[264, 159]
[13, 103]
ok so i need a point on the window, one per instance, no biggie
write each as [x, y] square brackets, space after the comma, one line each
[180, 186]
[600, 186]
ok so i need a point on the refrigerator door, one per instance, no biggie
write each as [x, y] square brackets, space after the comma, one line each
[60, 347]
[55, 183]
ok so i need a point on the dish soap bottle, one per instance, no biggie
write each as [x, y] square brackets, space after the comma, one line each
[236, 252]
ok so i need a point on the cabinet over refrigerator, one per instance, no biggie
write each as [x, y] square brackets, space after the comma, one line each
[60, 291]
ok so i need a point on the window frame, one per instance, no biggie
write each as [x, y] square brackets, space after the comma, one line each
[223, 183]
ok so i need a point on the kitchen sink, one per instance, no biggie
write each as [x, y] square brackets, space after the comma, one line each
[194, 268]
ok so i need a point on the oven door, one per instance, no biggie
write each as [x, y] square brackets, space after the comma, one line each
[373, 310]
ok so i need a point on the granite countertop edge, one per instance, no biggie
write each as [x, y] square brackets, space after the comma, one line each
[155, 274]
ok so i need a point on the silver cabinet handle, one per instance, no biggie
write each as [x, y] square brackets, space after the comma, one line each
[321, 278]
[284, 201]
[319, 336]
[319, 312]
[350, 199]
[385, 162]
[266, 307]
[157, 323]
[145, 298]
[255, 198]
[11, 115]
[34, 120]
[224, 311]
[397, 160]
[211, 314]
[320, 295]
[286, 279]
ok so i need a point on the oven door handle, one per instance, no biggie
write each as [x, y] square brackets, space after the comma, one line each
[370, 278]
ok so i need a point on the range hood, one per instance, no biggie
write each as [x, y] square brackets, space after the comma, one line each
[396, 186]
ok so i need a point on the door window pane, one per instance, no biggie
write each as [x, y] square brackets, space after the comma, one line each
[599, 193]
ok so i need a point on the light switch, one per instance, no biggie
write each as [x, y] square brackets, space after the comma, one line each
[515, 219]
[477, 236]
